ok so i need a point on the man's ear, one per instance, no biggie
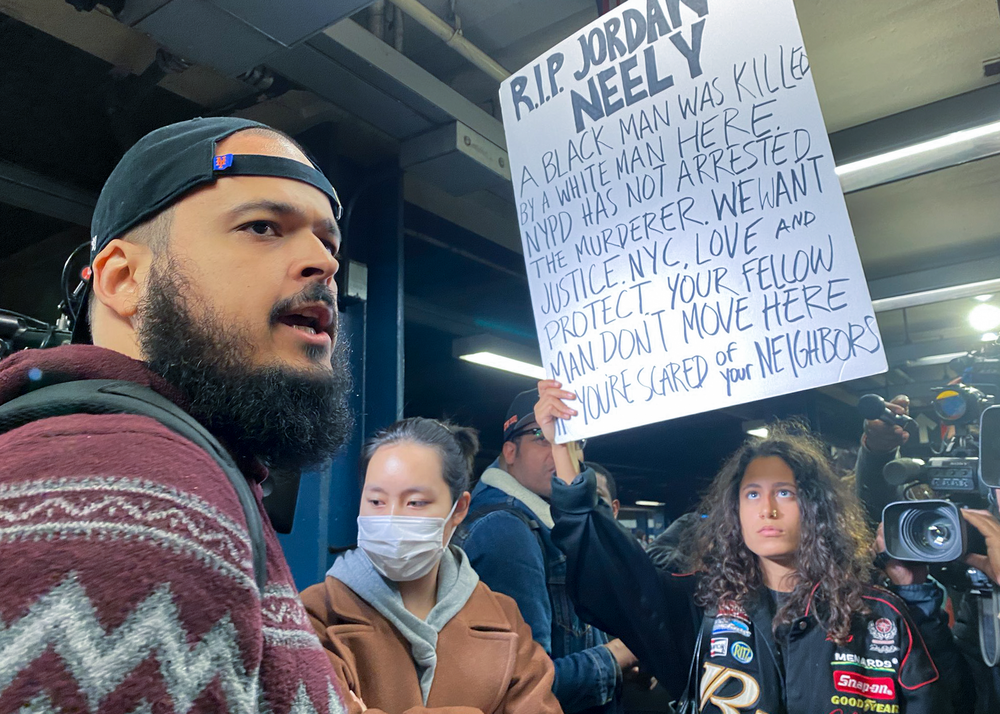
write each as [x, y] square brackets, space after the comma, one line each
[509, 451]
[120, 272]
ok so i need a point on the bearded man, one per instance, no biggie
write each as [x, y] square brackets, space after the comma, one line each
[127, 579]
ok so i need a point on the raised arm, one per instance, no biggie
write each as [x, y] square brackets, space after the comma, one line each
[610, 578]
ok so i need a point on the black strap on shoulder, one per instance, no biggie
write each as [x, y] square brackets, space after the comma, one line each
[105, 396]
[462, 534]
[989, 626]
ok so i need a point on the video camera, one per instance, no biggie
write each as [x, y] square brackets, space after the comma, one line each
[926, 525]
[20, 332]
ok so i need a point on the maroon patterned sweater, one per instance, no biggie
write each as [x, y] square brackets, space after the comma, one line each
[126, 581]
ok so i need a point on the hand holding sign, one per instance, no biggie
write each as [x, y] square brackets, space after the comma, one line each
[551, 407]
[549, 410]
[685, 236]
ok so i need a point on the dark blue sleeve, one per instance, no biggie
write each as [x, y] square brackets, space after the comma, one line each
[615, 586]
[585, 679]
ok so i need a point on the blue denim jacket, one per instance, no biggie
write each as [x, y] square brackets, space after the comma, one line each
[505, 553]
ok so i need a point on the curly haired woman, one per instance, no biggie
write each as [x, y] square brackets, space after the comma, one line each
[778, 615]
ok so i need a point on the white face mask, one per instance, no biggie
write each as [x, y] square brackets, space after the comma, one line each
[403, 548]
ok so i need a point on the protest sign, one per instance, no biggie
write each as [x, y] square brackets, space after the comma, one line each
[685, 235]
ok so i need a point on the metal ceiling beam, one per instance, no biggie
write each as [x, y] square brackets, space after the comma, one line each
[946, 276]
[929, 297]
[898, 355]
[372, 77]
[929, 121]
[41, 194]
[452, 37]
[915, 126]
[915, 390]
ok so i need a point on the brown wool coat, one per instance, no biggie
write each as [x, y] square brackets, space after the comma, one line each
[487, 661]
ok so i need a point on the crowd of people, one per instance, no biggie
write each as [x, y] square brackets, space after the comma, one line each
[140, 575]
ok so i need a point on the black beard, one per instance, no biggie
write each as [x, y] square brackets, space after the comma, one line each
[289, 419]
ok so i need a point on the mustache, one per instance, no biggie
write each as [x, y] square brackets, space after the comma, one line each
[317, 292]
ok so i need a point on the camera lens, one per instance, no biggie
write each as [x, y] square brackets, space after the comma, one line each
[937, 535]
[930, 534]
[950, 405]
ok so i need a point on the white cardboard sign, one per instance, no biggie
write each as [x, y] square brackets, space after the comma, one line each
[686, 238]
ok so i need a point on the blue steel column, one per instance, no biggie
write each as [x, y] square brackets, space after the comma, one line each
[327, 509]
[384, 363]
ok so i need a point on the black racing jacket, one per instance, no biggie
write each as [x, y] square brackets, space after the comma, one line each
[885, 666]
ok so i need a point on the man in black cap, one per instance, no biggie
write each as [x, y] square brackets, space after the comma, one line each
[508, 539]
[131, 577]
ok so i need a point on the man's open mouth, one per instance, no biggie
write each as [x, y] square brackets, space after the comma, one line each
[313, 319]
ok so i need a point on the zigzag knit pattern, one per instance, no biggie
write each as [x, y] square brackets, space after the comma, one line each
[99, 658]
[126, 581]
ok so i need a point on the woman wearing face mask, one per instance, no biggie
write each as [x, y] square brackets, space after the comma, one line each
[405, 620]
[777, 616]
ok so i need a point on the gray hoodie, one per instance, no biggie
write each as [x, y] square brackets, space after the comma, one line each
[456, 581]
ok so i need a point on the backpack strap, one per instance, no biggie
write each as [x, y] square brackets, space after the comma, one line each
[462, 534]
[106, 396]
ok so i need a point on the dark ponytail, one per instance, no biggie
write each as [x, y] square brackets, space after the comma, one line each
[457, 446]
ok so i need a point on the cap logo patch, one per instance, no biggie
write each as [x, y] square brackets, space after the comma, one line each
[223, 162]
[512, 420]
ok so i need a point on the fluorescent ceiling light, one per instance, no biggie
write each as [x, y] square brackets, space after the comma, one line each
[931, 360]
[989, 337]
[984, 317]
[650, 504]
[760, 431]
[488, 359]
[928, 297]
[498, 353]
[949, 150]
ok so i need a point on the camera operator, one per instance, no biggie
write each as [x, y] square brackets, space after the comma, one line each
[957, 651]
[880, 444]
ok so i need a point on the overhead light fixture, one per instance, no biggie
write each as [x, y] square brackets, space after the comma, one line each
[931, 360]
[928, 297]
[984, 298]
[984, 317]
[989, 337]
[650, 504]
[488, 359]
[757, 427]
[956, 148]
[495, 352]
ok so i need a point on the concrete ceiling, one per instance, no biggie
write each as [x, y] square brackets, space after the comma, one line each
[869, 59]
[872, 59]
[929, 220]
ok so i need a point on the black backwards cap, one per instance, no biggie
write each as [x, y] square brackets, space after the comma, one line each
[520, 414]
[168, 163]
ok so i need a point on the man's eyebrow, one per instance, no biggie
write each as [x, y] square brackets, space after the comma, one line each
[282, 208]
